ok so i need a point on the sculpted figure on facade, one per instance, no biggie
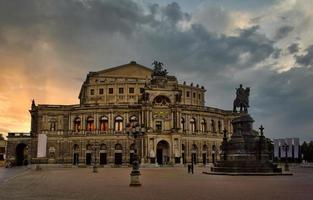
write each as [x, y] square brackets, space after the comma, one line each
[158, 69]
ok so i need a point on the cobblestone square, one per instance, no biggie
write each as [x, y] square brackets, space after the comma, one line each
[158, 183]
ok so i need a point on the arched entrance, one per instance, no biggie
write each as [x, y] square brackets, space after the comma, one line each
[88, 154]
[21, 154]
[75, 154]
[194, 154]
[118, 160]
[103, 154]
[163, 152]
[204, 154]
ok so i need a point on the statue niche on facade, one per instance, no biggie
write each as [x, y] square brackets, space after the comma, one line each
[178, 96]
[242, 99]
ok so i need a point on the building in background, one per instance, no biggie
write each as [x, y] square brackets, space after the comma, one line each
[3, 144]
[179, 127]
[293, 153]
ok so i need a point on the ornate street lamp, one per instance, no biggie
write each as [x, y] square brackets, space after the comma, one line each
[286, 148]
[135, 130]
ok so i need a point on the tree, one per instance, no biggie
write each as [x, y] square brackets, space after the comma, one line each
[307, 151]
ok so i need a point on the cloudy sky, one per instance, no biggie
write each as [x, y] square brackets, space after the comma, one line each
[48, 47]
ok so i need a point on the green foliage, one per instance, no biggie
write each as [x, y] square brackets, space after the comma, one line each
[307, 151]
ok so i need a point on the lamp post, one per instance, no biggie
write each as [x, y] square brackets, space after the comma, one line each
[224, 144]
[286, 148]
[134, 130]
[213, 155]
[261, 141]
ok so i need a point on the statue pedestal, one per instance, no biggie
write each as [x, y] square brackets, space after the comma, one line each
[246, 151]
[134, 179]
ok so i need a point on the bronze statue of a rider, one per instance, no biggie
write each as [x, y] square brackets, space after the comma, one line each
[242, 99]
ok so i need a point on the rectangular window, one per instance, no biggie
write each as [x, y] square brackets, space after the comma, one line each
[194, 95]
[121, 90]
[187, 94]
[110, 90]
[142, 90]
[92, 92]
[199, 96]
[101, 91]
[131, 90]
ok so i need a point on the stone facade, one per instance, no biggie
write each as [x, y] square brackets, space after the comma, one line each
[178, 125]
[2, 150]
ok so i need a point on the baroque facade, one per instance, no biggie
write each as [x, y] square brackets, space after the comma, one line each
[178, 127]
[2, 150]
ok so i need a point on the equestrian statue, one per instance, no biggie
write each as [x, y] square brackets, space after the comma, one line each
[242, 99]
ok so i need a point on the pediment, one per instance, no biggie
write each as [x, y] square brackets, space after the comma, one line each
[131, 70]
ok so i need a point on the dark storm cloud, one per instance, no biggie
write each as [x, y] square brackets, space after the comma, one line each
[294, 48]
[173, 13]
[69, 21]
[110, 32]
[283, 32]
[211, 52]
[286, 98]
[307, 58]
[74, 25]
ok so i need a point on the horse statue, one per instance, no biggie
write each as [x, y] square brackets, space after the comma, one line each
[242, 99]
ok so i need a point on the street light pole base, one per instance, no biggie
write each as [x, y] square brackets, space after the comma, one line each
[95, 170]
[134, 180]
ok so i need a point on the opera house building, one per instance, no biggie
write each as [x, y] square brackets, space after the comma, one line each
[176, 127]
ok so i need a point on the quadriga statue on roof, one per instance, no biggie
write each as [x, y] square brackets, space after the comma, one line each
[158, 69]
[242, 99]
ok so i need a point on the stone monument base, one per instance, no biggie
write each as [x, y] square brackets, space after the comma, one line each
[246, 166]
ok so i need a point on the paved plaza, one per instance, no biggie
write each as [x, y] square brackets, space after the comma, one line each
[158, 184]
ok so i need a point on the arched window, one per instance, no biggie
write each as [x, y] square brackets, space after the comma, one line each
[88, 147]
[205, 148]
[75, 147]
[118, 147]
[103, 147]
[193, 125]
[77, 124]
[213, 126]
[203, 125]
[104, 121]
[182, 124]
[219, 126]
[90, 124]
[118, 123]
[133, 119]
[161, 100]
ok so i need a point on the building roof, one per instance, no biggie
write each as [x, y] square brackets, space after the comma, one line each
[131, 70]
